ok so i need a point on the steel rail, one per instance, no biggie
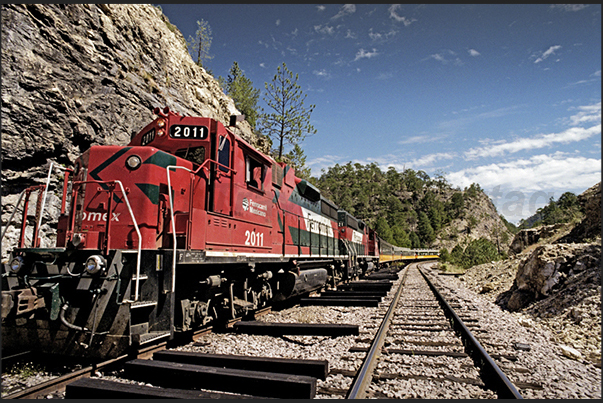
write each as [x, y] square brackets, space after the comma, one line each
[59, 383]
[364, 375]
[491, 374]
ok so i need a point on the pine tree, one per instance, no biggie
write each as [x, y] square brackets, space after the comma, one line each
[245, 97]
[297, 160]
[425, 230]
[290, 121]
[199, 44]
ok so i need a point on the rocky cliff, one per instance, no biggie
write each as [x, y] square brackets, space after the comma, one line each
[553, 277]
[479, 219]
[76, 75]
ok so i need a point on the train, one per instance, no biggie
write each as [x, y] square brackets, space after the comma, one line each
[186, 226]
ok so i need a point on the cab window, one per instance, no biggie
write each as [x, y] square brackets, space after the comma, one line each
[254, 173]
[195, 155]
[224, 154]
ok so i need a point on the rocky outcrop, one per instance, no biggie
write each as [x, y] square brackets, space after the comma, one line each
[547, 269]
[590, 226]
[479, 219]
[531, 236]
[76, 75]
[560, 289]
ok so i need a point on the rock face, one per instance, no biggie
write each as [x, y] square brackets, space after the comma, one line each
[531, 236]
[555, 281]
[547, 269]
[479, 220]
[76, 75]
[590, 226]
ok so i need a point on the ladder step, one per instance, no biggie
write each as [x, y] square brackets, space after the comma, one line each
[141, 277]
[142, 304]
[145, 338]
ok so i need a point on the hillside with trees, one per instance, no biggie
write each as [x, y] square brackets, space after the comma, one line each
[411, 209]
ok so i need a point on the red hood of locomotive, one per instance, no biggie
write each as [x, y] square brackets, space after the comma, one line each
[143, 186]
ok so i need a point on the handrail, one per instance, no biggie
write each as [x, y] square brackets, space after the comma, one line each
[172, 218]
[35, 240]
[139, 238]
[37, 234]
[133, 221]
[12, 214]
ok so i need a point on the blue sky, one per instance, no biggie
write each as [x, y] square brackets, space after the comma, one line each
[506, 96]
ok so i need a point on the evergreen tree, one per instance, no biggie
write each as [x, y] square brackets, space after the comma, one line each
[400, 236]
[297, 160]
[415, 242]
[479, 251]
[199, 44]
[245, 97]
[289, 123]
[425, 230]
[384, 230]
[444, 255]
[457, 202]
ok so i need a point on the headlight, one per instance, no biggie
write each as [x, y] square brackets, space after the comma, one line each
[94, 264]
[16, 264]
[77, 239]
[133, 162]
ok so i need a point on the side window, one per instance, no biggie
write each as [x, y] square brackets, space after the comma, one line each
[193, 154]
[224, 153]
[254, 173]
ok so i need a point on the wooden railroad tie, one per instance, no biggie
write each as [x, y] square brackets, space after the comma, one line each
[315, 368]
[327, 301]
[188, 376]
[87, 388]
[297, 329]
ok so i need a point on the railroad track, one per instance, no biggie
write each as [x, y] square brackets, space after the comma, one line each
[56, 386]
[408, 344]
[423, 347]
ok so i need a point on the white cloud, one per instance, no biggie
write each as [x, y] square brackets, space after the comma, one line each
[446, 57]
[320, 73]
[324, 162]
[520, 185]
[324, 29]
[587, 114]
[278, 22]
[544, 140]
[377, 36]
[419, 139]
[385, 76]
[550, 51]
[350, 34]
[346, 9]
[363, 54]
[321, 8]
[570, 7]
[393, 13]
[374, 35]
[429, 159]
[473, 52]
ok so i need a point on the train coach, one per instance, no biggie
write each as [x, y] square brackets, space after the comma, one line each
[389, 253]
[186, 225]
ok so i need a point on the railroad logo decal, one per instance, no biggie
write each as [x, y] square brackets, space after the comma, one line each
[255, 207]
[97, 216]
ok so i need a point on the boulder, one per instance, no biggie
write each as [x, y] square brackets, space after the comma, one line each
[547, 269]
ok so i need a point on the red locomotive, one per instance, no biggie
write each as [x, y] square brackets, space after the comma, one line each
[185, 225]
